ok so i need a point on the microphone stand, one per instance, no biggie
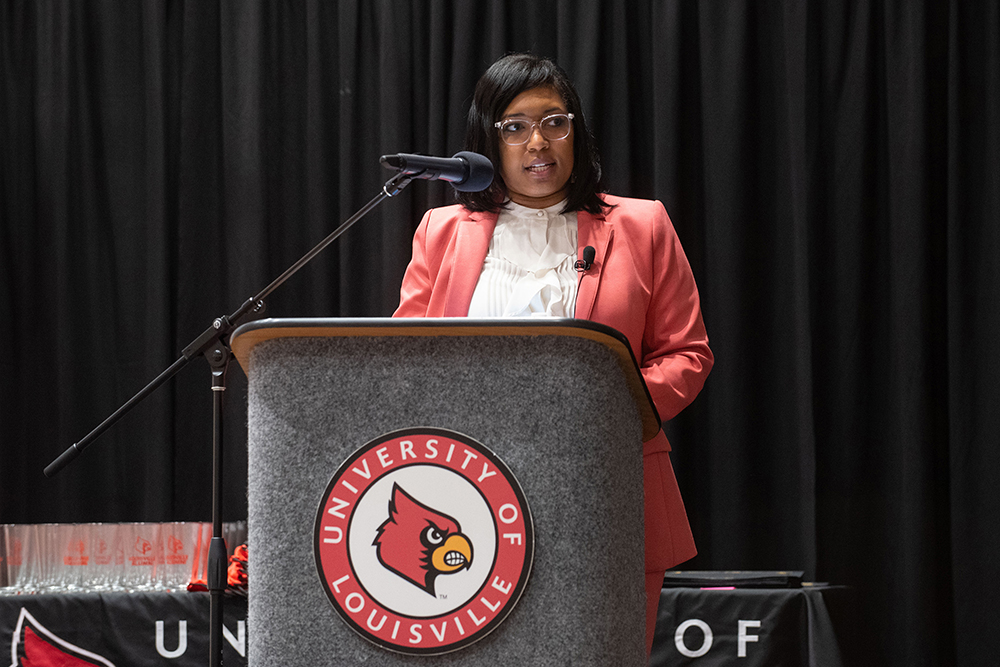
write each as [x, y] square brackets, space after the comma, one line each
[214, 346]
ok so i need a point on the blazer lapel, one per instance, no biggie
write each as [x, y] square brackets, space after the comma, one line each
[471, 245]
[593, 231]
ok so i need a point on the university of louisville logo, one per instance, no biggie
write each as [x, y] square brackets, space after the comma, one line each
[423, 541]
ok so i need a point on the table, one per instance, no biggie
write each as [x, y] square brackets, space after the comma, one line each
[793, 627]
[788, 627]
[122, 629]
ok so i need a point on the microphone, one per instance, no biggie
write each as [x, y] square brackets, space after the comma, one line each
[466, 171]
[588, 259]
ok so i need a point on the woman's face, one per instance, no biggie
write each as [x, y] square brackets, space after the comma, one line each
[537, 172]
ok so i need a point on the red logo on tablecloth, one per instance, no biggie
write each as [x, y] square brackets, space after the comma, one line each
[423, 541]
[33, 645]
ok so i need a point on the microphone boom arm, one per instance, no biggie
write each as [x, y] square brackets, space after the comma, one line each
[223, 326]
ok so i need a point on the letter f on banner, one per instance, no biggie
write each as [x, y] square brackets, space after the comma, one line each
[742, 637]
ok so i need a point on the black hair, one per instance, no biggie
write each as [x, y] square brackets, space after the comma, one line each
[507, 78]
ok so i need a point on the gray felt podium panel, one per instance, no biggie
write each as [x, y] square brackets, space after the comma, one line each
[555, 402]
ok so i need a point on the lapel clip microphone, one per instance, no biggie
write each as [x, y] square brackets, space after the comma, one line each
[588, 259]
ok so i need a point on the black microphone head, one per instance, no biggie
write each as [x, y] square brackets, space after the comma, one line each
[480, 172]
[589, 253]
[391, 161]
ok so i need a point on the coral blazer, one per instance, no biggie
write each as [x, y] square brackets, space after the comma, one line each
[640, 284]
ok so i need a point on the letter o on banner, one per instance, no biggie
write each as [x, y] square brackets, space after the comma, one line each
[706, 643]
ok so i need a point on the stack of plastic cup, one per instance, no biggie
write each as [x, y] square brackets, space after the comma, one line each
[180, 540]
[73, 556]
[19, 548]
[107, 561]
[142, 548]
[104, 557]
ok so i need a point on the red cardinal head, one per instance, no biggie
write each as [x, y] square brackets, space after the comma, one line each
[33, 645]
[418, 543]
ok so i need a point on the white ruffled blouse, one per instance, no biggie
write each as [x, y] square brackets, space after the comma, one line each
[529, 265]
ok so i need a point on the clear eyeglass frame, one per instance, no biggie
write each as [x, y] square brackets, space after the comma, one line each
[549, 131]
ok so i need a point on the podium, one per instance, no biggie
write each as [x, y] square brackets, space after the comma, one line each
[558, 404]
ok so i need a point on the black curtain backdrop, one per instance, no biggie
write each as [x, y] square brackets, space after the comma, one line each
[832, 167]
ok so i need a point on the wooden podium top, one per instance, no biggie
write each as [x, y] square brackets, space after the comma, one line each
[250, 334]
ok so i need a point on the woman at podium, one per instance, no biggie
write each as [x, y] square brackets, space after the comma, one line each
[544, 240]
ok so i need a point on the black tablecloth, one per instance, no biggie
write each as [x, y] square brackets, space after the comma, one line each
[772, 627]
[783, 627]
[123, 629]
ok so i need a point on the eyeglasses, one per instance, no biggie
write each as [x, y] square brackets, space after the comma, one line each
[515, 132]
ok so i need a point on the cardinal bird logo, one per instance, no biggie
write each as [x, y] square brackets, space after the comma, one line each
[34, 645]
[419, 543]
